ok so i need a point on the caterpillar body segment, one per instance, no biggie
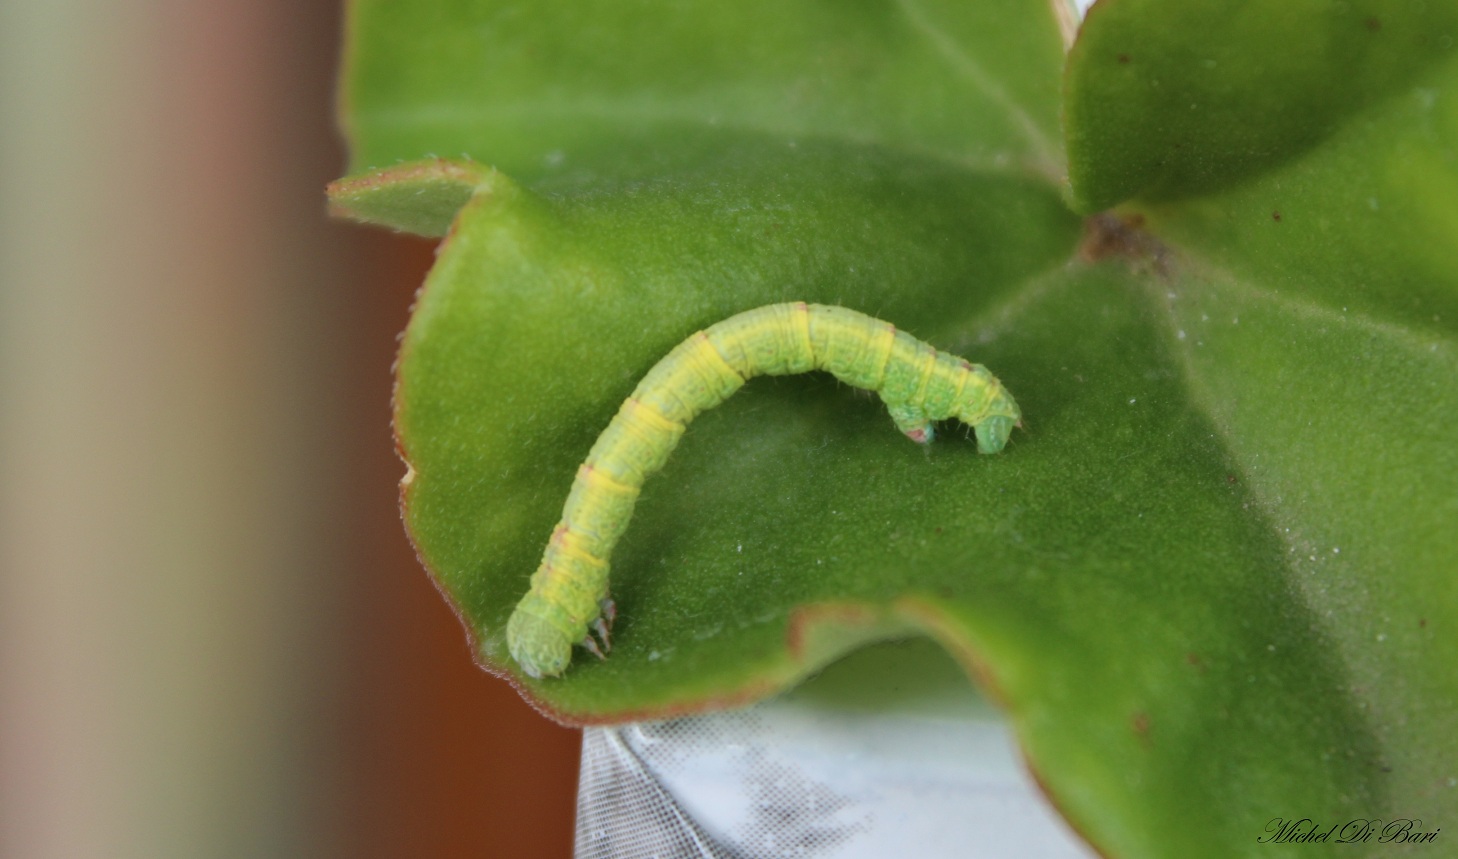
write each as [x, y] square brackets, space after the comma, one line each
[919, 385]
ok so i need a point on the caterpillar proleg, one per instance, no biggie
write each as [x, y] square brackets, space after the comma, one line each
[569, 590]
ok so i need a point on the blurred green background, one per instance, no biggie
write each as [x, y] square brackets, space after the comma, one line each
[215, 639]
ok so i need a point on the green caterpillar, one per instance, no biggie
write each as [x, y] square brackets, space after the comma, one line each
[919, 385]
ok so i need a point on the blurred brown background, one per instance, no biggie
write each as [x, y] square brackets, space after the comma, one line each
[215, 639]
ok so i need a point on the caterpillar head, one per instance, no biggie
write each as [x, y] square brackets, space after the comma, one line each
[994, 422]
[537, 645]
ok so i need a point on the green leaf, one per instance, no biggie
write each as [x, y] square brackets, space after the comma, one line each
[1212, 582]
[419, 197]
[583, 92]
[1168, 100]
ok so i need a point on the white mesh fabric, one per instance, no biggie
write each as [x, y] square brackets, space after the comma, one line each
[925, 772]
[621, 809]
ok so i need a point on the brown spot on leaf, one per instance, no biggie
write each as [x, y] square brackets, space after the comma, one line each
[1373, 24]
[1195, 662]
[1422, 623]
[1276, 216]
[1140, 723]
[1123, 59]
[1108, 236]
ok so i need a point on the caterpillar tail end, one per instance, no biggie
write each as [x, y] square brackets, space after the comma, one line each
[537, 646]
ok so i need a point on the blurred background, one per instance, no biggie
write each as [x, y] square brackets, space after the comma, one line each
[215, 639]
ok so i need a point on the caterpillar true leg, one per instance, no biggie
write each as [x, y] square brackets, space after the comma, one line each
[603, 626]
[919, 385]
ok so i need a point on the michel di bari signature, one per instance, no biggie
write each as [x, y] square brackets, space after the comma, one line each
[1403, 830]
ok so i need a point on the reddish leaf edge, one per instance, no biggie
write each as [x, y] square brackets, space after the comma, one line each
[421, 197]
